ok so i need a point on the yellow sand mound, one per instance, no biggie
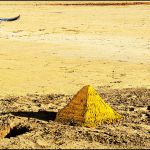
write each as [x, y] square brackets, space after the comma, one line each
[87, 108]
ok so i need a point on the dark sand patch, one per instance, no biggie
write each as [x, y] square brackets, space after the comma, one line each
[38, 112]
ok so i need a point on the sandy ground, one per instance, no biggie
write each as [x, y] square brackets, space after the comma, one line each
[29, 122]
[59, 49]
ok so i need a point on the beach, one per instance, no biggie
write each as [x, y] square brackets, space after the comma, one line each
[58, 49]
[62, 48]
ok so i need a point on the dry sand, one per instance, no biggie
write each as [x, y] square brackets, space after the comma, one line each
[59, 49]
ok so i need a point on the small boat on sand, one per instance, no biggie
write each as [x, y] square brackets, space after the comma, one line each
[9, 19]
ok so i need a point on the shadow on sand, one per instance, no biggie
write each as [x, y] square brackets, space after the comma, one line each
[41, 115]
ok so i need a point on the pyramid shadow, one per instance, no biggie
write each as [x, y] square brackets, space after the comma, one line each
[41, 115]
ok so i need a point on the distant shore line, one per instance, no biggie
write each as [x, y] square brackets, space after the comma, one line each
[77, 3]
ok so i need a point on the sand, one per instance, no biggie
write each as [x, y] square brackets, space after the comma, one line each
[29, 122]
[58, 49]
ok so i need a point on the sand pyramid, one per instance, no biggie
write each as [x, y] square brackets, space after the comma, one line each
[87, 108]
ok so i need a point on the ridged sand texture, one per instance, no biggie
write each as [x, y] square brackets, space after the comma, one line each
[88, 109]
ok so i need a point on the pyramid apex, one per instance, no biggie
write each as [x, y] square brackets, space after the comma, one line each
[88, 86]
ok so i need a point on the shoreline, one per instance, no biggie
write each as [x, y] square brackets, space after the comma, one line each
[77, 3]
